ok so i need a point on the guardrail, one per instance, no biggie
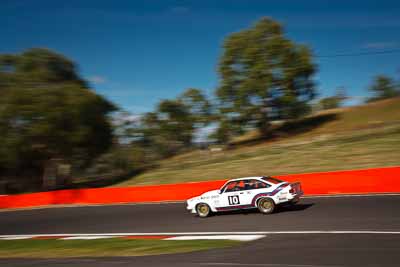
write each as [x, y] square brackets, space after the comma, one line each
[378, 180]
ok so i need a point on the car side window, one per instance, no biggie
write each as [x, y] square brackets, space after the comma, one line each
[255, 184]
[235, 186]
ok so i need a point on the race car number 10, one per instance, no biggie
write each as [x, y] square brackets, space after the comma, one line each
[233, 200]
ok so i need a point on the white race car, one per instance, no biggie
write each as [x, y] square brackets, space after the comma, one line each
[262, 192]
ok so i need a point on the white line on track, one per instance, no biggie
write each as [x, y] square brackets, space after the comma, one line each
[202, 233]
[217, 237]
[86, 237]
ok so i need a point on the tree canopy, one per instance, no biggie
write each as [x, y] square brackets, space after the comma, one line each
[39, 67]
[334, 101]
[383, 87]
[264, 76]
[47, 111]
[172, 126]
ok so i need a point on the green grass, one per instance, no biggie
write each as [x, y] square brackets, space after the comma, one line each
[374, 115]
[103, 248]
[360, 137]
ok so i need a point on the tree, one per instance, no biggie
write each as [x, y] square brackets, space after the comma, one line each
[264, 76]
[176, 122]
[40, 67]
[383, 87]
[173, 125]
[198, 105]
[167, 130]
[333, 101]
[222, 133]
[47, 112]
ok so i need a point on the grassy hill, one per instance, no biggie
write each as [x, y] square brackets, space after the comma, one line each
[348, 138]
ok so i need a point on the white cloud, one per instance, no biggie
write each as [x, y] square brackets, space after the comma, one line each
[381, 45]
[96, 79]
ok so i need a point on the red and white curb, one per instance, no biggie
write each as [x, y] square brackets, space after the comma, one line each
[240, 236]
[158, 236]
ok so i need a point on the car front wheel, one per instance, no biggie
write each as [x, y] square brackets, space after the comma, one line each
[203, 210]
[266, 205]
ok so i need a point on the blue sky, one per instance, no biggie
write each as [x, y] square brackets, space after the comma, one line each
[138, 52]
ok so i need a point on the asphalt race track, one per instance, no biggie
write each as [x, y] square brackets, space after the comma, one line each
[365, 213]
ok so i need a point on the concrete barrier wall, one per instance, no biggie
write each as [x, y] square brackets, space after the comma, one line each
[379, 180]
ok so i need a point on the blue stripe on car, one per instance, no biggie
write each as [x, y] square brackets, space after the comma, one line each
[253, 202]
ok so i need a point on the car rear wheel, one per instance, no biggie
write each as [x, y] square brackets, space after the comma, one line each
[203, 210]
[266, 205]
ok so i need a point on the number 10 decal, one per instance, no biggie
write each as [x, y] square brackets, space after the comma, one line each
[233, 200]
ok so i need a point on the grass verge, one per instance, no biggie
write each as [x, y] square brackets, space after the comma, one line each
[360, 137]
[31, 248]
[364, 149]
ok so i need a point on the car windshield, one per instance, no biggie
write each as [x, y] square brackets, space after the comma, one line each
[272, 180]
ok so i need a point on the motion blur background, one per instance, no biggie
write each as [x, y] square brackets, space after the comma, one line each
[101, 93]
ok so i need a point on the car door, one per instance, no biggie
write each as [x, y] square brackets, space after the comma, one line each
[253, 187]
[234, 196]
